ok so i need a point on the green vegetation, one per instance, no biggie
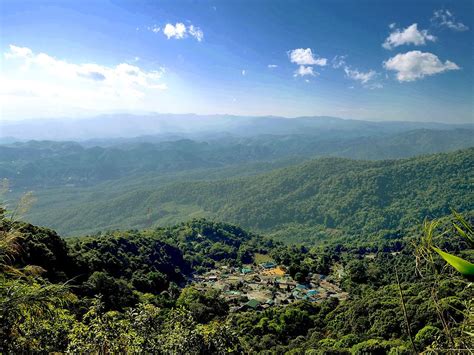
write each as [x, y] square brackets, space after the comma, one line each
[314, 201]
[42, 164]
[351, 224]
[128, 292]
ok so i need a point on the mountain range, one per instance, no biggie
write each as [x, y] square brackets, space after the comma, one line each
[173, 126]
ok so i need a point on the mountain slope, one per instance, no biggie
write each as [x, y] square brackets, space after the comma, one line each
[355, 197]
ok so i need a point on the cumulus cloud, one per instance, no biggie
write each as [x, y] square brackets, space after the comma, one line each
[180, 31]
[302, 56]
[123, 74]
[304, 70]
[18, 52]
[175, 31]
[321, 62]
[305, 58]
[272, 66]
[409, 35]
[445, 18]
[38, 81]
[415, 65]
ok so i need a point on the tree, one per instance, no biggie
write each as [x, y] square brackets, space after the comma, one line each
[116, 293]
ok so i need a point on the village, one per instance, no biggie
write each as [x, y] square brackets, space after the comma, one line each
[260, 286]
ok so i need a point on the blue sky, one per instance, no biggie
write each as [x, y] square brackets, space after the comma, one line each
[379, 60]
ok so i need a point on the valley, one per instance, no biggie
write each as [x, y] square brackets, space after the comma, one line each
[266, 242]
[259, 287]
[237, 177]
[327, 196]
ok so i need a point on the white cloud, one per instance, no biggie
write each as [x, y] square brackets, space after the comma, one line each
[175, 31]
[244, 72]
[409, 35]
[123, 74]
[180, 31]
[53, 82]
[415, 65]
[196, 32]
[366, 79]
[18, 52]
[321, 62]
[363, 77]
[304, 70]
[445, 18]
[303, 56]
[272, 66]
[339, 61]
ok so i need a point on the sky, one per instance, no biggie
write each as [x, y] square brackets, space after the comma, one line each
[375, 60]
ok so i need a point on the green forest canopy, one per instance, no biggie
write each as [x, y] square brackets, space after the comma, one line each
[314, 200]
[126, 292]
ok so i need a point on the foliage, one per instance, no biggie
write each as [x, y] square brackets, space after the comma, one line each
[48, 163]
[314, 201]
[464, 230]
[127, 292]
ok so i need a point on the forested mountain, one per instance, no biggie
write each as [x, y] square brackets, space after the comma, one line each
[362, 253]
[316, 199]
[236, 177]
[131, 291]
[380, 285]
[39, 164]
[356, 196]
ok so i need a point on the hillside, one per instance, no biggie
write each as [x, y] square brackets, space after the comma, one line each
[204, 287]
[148, 260]
[42, 164]
[355, 196]
[329, 195]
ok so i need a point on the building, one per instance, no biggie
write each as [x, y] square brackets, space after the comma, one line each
[246, 270]
[268, 265]
[252, 304]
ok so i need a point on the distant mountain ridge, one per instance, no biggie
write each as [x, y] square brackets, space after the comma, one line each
[197, 126]
[36, 164]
